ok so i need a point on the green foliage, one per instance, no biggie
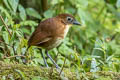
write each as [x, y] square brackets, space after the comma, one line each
[33, 13]
[94, 46]
[22, 13]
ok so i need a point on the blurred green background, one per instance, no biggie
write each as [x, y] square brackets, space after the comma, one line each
[94, 46]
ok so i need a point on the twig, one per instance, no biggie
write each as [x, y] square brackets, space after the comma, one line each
[5, 57]
[62, 67]
[5, 24]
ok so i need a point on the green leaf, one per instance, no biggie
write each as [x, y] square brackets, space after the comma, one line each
[60, 62]
[22, 13]
[54, 2]
[6, 37]
[99, 49]
[114, 11]
[48, 13]
[19, 33]
[94, 67]
[13, 4]
[118, 3]
[3, 77]
[6, 4]
[5, 12]
[84, 15]
[26, 30]
[32, 12]
[28, 22]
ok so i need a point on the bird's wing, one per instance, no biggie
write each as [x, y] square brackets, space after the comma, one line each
[43, 33]
[38, 38]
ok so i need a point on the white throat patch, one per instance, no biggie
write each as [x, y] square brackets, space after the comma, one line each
[66, 30]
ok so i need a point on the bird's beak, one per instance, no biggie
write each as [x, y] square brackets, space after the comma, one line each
[76, 22]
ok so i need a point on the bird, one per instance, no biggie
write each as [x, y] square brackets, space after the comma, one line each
[50, 33]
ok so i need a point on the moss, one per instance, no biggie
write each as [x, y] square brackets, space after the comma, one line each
[18, 70]
[24, 72]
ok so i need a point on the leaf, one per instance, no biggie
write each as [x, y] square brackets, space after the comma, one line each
[71, 10]
[19, 33]
[60, 62]
[53, 2]
[22, 13]
[32, 12]
[6, 4]
[13, 4]
[26, 31]
[28, 22]
[5, 12]
[118, 3]
[3, 77]
[82, 2]
[94, 67]
[114, 11]
[111, 1]
[85, 16]
[49, 61]
[48, 13]
[6, 37]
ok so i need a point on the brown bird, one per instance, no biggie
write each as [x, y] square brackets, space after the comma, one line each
[51, 32]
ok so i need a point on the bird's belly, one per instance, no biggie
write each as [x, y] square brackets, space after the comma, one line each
[53, 43]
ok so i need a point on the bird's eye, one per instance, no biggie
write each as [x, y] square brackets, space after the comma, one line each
[69, 19]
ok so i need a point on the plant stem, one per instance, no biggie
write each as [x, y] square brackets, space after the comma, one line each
[5, 24]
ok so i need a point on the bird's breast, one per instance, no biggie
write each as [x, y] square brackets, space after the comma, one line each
[54, 43]
[59, 38]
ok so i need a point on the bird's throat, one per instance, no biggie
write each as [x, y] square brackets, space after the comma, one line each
[66, 30]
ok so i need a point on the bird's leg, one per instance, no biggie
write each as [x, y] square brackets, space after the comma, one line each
[52, 60]
[45, 62]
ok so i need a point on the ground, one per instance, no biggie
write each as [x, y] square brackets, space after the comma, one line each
[23, 72]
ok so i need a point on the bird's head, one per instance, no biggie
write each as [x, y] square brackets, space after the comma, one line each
[68, 19]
